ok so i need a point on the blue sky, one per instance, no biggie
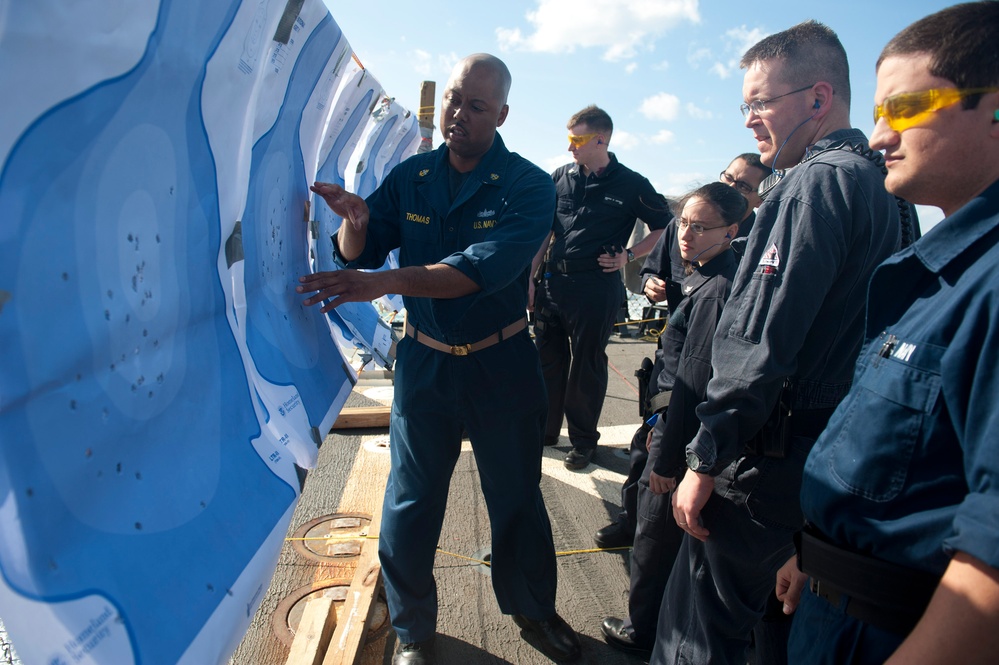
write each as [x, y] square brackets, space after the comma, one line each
[667, 71]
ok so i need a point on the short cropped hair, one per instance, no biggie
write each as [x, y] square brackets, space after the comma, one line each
[753, 159]
[593, 117]
[811, 52]
[962, 42]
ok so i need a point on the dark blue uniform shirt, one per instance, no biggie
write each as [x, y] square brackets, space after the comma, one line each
[908, 468]
[490, 232]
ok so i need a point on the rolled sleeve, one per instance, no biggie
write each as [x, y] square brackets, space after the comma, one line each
[521, 227]
[971, 391]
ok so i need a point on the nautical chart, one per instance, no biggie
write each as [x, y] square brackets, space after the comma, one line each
[162, 386]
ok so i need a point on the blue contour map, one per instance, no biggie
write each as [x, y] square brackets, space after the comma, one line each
[126, 415]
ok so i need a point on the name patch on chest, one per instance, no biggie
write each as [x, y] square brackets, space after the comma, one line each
[419, 219]
[484, 224]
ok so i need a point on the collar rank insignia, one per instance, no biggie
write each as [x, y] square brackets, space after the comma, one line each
[424, 172]
[494, 176]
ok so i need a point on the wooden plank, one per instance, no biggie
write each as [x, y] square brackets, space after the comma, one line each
[363, 416]
[348, 637]
[428, 98]
[321, 638]
[314, 632]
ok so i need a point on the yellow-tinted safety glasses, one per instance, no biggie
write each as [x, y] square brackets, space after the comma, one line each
[580, 140]
[910, 109]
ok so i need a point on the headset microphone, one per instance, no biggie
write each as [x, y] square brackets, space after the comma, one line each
[728, 236]
[815, 106]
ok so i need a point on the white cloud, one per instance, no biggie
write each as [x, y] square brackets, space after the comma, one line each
[549, 164]
[723, 71]
[678, 184]
[447, 61]
[630, 68]
[663, 106]
[737, 41]
[422, 62]
[621, 27]
[740, 39]
[699, 55]
[698, 113]
[622, 140]
[662, 66]
[663, 136]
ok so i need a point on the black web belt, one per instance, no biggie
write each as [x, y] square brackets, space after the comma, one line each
[885, 595]
[566, 266]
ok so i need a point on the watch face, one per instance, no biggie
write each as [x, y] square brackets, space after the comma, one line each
[693, 461]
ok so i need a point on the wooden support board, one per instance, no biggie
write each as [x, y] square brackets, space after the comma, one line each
[428, 98]
[320, 639]
[363, 416]
[348, 637]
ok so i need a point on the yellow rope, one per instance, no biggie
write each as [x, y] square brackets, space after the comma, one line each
[592, 550]
[627, 323]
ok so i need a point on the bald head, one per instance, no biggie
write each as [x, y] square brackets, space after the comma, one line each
[484, 66]
[474, 105]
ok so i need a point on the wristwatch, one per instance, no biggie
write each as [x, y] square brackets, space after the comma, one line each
[696, 464]
[631, 255]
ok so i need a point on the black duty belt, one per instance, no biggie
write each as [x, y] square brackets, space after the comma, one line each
[886, 595]
[465, 349]
[772, 439]
[566, 266]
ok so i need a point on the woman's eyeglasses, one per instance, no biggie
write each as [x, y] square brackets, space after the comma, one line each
[696, 227]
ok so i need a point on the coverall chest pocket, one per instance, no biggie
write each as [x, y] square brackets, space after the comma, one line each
[894, 396]
[420, 236]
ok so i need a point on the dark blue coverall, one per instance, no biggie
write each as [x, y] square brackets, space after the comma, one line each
[657, 539]
[490, 231]
[663, 261]
[907, 472]
[576, 304]
[796, 310]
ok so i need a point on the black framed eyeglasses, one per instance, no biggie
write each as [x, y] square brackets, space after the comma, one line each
[697, 228]
[758, 106]
[740, 185]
